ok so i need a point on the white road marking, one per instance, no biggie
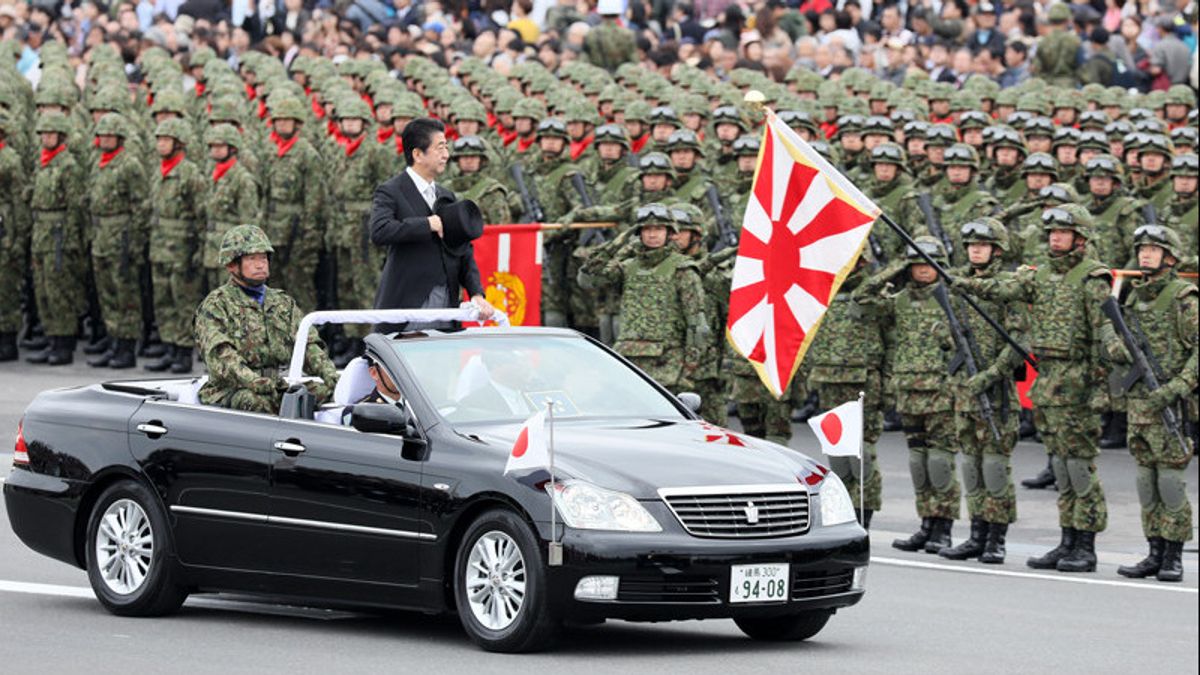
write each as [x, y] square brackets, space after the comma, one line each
[898, 562]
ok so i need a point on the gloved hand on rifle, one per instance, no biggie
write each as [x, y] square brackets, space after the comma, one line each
[698, 333]
[1168, 393]
[1116, 351]
[982, 381]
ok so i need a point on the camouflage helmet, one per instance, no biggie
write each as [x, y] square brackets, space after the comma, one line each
[878, 125]
[112, 124]
[243, 240]
[1093, 139]
[1158, 235]
[1094, 119]
[726, 114]
[174, 128]
[1157, 143]
[53, 122]
[1057, 193]
[849, 124]
[656, 163]
[746, 146]
[961, 154]
[1058, 13]
[931, 246]
[226, 110]
[469, 110]
[986, 230]
[684, 139]
[655, 213]
[688, 217]
[223, 134]
[1103, 165]
[637, 111]
[287, 109]
[351, 107]
[1068, 217]
[552, 127]
[1185, 165]
[49, 93]
[1184, 137]
[1065, 136]
[973, 119]
[1150, 125]
[611, 133]
[663, 114]
[1039, 126]
[1040, 162]
[887, 153]
[169, 101]
[940, 135]
[468, 146]
[1180, 94]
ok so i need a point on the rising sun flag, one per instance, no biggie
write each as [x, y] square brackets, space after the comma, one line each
[805, 225]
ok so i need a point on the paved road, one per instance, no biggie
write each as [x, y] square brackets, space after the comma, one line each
[920, 613]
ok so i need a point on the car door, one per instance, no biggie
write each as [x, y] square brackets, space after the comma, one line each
[345, 505]
[211, 465]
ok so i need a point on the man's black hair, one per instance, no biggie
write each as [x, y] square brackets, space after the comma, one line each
[418, 135]
[1019, 47]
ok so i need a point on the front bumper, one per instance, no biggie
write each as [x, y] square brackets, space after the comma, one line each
[672, 575]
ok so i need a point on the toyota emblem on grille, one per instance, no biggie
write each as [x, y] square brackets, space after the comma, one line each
[751, 513]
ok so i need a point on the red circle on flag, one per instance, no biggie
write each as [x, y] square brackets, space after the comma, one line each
[522, 443]
[831, 426]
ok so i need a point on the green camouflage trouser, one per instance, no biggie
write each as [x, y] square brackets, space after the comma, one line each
[1161, 482]
[118, 285]
[931, 450]
[848, 468]
[58, 288]
[987, 466]
[665, 369]
[712, 399]
[761, 415]
[176, 295]
[1071, 436]
[12, 267]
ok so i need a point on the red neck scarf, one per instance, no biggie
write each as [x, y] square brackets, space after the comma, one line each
[508, 137]
[149, 99]
[318, 109]
[637, 144]
[351, 144]
[222, 168]
[106, 157]
[283, 146]
[524, 143]
[49, 155]
[399, 145]
[578, 147]
[492, 120]
[199, 89]
[168, 164]
[1, 143]
[383, 134]
[331, 128]
[250, 95]
[262, 109]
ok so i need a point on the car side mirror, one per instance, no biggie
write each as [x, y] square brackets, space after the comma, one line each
[379, 418]
[691, 400]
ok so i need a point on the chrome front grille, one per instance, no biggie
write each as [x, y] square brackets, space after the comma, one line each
[737, 512]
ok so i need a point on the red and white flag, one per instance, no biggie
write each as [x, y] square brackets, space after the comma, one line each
[529, 451]
[804, 227]
[840, 430]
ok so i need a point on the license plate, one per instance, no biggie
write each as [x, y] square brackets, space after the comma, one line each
[759, 583]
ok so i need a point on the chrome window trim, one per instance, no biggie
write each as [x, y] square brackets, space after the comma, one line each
[301, 522]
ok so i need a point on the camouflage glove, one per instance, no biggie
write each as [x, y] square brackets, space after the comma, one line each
[1116, 352]
[267, 385]
[1160, 398]
[699, 334]
[982, 381]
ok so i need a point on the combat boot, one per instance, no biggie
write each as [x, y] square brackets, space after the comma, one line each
[1027, 428]
[183, 360]
[124, 356]
[1114, 432]
[993, 549]
[100, 343]
[892, 421]
[8, 347]
[35, 338]
[917, 541]
[1082, 557]
[1147, 566]
[167, 360]
[970, 547]
[102, 359]
[1051, 557]
[39, 356]
[1041, 481]
[62, 351]
[152, 347]
[1172, 562]
[939, 536]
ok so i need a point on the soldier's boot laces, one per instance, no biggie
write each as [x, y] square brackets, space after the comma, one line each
[971, 547]
[1172, 562]
[1051, 557]
[917, 541]
[183, 360]
[939, 536]
[167, 360]
[1082, 557]
[62, 351]
[1147, 566]
[1041, 481]
[8, 347]
[993, 549]
[125, 355]
[1114, 432]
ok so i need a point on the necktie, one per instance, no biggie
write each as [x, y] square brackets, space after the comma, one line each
[430, 195]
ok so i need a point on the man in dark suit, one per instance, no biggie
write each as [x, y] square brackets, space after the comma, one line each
[421, 271]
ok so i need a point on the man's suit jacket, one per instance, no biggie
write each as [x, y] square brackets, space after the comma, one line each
[417, 262]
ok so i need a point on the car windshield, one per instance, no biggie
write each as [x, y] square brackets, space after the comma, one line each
[509, 377]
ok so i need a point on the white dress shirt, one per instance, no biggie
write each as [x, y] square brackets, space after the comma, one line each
[428, 193]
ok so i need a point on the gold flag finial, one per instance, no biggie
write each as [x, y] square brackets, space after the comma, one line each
[755, 99]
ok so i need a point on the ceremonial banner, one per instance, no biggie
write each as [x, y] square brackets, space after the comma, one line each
[510, 267]
[804, 228]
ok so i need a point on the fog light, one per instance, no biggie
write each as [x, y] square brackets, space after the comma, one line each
[860, 579]
[597, 588]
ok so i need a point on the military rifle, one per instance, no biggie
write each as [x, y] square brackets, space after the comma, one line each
[1145, 367]
[590, 236]
[964, 355]
[727, 236]
[925, 203]
[1149, 214]
[876, 251]
[534, 213]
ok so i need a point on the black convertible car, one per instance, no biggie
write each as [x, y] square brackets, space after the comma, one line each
[660, 516]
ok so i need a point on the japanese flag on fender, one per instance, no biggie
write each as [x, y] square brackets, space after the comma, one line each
[529, 451]
[840, 430]
[804, 228]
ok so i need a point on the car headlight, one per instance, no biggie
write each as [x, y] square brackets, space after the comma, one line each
[836, 507]
[587, 507]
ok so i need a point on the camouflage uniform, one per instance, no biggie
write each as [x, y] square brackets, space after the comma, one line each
[1116, 215]
[609, 45]
[247, 342]
[1055, 58]
[293, 200]
[230, 201]
[893, 198]
[706, 379]
[552, 182]
[14, 240]
[1182, 214]
[959, 203]
[498, 204]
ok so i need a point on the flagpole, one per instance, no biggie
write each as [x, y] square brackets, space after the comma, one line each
[862, 473]
[555, 551]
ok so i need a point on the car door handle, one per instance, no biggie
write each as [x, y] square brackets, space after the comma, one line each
[289, 447]
[152, 429]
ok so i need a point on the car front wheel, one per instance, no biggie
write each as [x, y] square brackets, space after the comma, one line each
[500, 586]
[791, 628]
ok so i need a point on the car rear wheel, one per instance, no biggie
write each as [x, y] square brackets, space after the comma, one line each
[790, 628]
[129, 555]
[500, 586]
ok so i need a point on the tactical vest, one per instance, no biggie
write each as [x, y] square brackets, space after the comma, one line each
[1062, 330]
[848, 338]
[921, 334]
[650, 308]
[1157, 320]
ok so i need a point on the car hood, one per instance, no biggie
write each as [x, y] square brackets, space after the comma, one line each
[640, 456]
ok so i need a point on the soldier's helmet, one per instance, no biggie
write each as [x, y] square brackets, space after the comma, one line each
[1150, 125]
[1103, 165]
[552, 127]
[987, 230]
[173, 128]
[1094, 119]
[1180, 94]
[351, 108]
[612, 133]
[688, 217]
[1068, 217]
[878, 125]
[1157, 143]
[54, 94]
[745, 146]
[1065, 136]
[1158, 235]
[225, 134]
[1055, 194]
[931, 246]
[887, 153]
[469, 111]
[1040, 162]
[940, 135]
[727, 114]
[663, 114]
[469, 146]
[655, 213]
[973, 119]
[684, 139]
[1184, 137]
[1039, 126]
[1094, 139]
[1185, 165]
[112, 124]
[243, 240]
[656, 163]
[288, 109]
[56, 122]
[961, 154]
